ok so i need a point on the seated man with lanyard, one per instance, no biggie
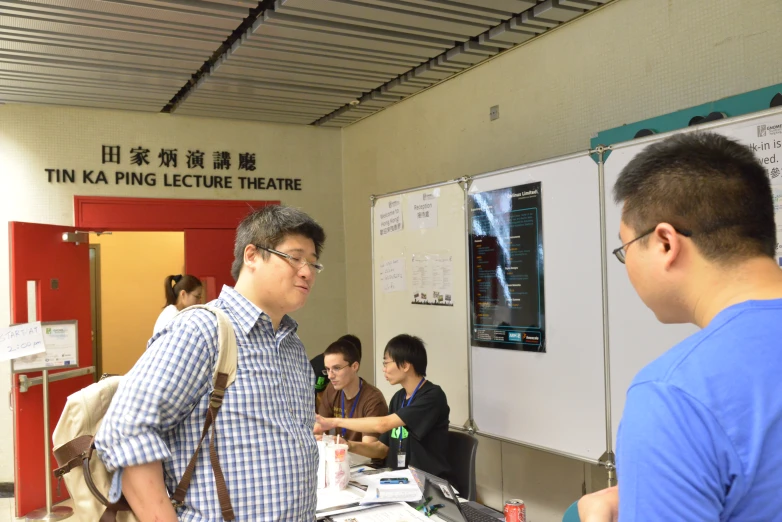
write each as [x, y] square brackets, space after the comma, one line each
[347, 395]
[416, 431]
[319, 367]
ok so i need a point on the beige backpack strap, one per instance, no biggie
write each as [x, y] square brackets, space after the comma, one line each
[224, 376]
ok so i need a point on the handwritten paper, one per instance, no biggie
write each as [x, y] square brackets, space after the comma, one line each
[21, 340]
[392, 275]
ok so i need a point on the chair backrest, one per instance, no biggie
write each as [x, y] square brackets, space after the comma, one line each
[571, 515]
[462, 449]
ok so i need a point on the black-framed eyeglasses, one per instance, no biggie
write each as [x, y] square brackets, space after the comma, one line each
[296, 262]
[335, 371]
[620, 252]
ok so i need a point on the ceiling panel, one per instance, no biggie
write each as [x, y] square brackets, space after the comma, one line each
[323, 62]
[101, 53]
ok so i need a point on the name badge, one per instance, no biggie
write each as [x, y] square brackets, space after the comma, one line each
[400, 460]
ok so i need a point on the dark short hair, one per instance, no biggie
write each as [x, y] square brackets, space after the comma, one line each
[707, 184]
[346, 348]
[268, 227]
[355, 341]
[410, 349]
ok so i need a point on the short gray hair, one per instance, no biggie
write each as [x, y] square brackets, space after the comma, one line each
[269, 226]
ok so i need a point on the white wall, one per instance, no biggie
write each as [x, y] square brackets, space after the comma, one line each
[629, 61]
[35, 138]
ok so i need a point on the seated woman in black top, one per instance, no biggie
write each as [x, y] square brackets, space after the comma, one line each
[415, 433]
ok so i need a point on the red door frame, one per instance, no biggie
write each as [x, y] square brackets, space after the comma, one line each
[95, 213]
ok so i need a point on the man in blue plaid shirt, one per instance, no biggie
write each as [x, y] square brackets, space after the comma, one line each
[264, 428]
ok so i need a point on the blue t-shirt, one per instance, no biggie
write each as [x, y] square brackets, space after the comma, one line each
[701, 434]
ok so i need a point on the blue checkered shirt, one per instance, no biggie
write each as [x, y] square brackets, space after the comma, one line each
[264, 428]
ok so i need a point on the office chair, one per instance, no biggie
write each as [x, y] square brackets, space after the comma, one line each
[462, 449]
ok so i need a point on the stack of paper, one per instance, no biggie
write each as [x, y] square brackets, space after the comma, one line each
[377, 493]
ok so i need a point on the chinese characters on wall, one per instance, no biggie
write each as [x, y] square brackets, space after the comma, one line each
[191, 168]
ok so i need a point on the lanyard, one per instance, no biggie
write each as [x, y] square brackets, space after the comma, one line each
[406, 403]
[353, 409]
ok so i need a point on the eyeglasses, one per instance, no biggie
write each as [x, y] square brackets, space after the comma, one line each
[620, 252]
[386, 363]
[335, 371]
[296, 262]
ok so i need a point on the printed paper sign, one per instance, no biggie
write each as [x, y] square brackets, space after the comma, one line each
[423, 210]
[388, 214]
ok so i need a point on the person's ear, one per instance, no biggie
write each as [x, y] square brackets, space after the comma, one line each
[356, 365]
[251, 257]
[667, 243]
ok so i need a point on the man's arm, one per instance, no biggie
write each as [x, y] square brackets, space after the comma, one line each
[671, 447]
[365, 425]
[146, 493]
[158, 393]
[373, 450]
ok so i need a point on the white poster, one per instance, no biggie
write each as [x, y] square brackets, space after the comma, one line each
[442, 280]
[423, 209]
[765, 138]
[61, 343]
[21, 340]
[432, 277]
[392, 275]
[388, 213]
[778, 216]
[422, 278]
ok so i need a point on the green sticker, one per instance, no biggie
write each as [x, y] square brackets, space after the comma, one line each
[395, 433]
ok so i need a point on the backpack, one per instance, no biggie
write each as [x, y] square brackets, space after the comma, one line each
[86, 476]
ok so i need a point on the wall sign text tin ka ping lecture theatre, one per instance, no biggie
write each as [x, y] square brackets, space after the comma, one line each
[195, 163]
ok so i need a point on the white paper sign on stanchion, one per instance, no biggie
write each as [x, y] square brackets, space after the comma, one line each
[60, 343]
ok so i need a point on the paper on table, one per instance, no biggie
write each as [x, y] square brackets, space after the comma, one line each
[406, 492]
[400, 512]
[358, 460]
[331, 498]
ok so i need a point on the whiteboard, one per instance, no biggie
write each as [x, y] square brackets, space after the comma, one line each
[62, 349]
[554, 400]
[635, 336]
[442, 327]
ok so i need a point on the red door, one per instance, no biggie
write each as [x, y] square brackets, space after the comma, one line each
[209, 253]
[62, 273]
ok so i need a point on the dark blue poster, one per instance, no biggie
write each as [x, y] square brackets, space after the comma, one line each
[506, 269]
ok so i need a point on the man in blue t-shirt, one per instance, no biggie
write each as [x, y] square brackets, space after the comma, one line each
[701, 434]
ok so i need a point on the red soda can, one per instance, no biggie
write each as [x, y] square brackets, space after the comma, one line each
[515, 511]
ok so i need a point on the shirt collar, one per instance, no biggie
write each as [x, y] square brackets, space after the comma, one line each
[248, 314]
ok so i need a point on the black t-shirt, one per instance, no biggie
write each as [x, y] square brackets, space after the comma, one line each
[425, 434]
[318, 365]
